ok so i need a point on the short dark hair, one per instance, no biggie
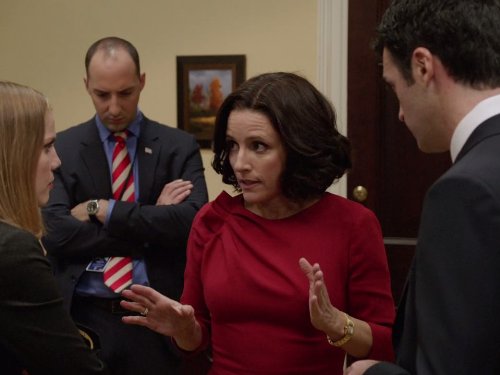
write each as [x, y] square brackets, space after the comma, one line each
[111, 43]
[317, 154]
[464, 34]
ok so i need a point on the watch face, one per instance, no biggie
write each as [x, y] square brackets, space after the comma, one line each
[92, 207]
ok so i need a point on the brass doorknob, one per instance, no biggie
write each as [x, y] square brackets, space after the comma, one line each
[360, 193]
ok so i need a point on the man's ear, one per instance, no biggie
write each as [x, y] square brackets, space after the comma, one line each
[142, 79]
[86, 83]
[422, 64]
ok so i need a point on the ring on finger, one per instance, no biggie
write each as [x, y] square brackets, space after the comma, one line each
[145, 312]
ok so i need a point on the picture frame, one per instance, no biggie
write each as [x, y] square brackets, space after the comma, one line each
[203, 82]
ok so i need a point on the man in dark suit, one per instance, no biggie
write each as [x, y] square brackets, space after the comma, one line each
[442, 58]
[90, 221]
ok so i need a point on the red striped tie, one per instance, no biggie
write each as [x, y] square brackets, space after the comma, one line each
[118, 272]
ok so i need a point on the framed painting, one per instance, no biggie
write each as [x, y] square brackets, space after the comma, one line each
[203, 82]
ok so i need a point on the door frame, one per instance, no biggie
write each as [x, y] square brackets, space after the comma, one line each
[331, 77]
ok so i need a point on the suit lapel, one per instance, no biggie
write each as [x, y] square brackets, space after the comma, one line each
[148, 153]
[95, 161]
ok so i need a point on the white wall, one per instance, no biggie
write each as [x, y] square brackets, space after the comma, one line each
[43, 43]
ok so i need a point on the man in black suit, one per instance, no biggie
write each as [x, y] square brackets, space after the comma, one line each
[86, 226]
[442, 58]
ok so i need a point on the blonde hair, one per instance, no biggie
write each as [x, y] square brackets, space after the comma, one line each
[22, 131]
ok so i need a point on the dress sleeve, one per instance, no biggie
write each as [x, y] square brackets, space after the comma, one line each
[193, 280]
[33, 322]
[205, 231]
[369, 287]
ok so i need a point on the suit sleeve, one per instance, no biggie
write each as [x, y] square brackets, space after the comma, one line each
[369, 290]
[457, 280]
[132, 227]
[68, 237]
[456, 283]
[386, 368]
[158, 225]
[33, 323]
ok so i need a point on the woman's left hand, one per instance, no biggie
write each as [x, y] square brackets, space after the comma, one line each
[159, 313]
[324, 316]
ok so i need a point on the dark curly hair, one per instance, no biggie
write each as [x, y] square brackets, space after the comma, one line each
[464, 34]
[317, 154]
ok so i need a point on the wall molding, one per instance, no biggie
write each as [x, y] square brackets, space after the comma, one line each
[332, 64]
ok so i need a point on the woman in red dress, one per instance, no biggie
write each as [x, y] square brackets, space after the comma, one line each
[284, 278]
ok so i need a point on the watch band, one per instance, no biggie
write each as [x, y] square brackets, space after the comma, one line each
[348, 333]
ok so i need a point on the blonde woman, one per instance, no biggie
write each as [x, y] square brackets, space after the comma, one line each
[36, 335]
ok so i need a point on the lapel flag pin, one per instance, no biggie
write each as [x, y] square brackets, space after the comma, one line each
[147, 150]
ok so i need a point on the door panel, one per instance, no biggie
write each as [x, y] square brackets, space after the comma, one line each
[386, 159]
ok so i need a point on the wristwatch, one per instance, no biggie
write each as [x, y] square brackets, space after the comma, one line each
[348, 332]
[93, 207]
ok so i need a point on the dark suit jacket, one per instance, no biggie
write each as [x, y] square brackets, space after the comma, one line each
[36, 332]
[157, 233]
[450, 320]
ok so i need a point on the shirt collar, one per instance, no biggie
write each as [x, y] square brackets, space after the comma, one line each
[484, 110]
[134, 127]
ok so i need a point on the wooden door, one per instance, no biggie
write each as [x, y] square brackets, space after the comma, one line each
[387, 161]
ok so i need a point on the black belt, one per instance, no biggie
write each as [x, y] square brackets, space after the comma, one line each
[111, 305]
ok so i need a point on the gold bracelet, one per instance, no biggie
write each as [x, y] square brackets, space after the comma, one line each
[348, 333]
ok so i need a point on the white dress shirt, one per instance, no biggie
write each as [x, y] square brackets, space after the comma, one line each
[484, 110]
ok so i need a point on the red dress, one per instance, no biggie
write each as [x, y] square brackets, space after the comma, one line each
[251, 297]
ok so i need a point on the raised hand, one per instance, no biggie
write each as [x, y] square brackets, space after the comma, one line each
[163, 315]
[324, 316]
